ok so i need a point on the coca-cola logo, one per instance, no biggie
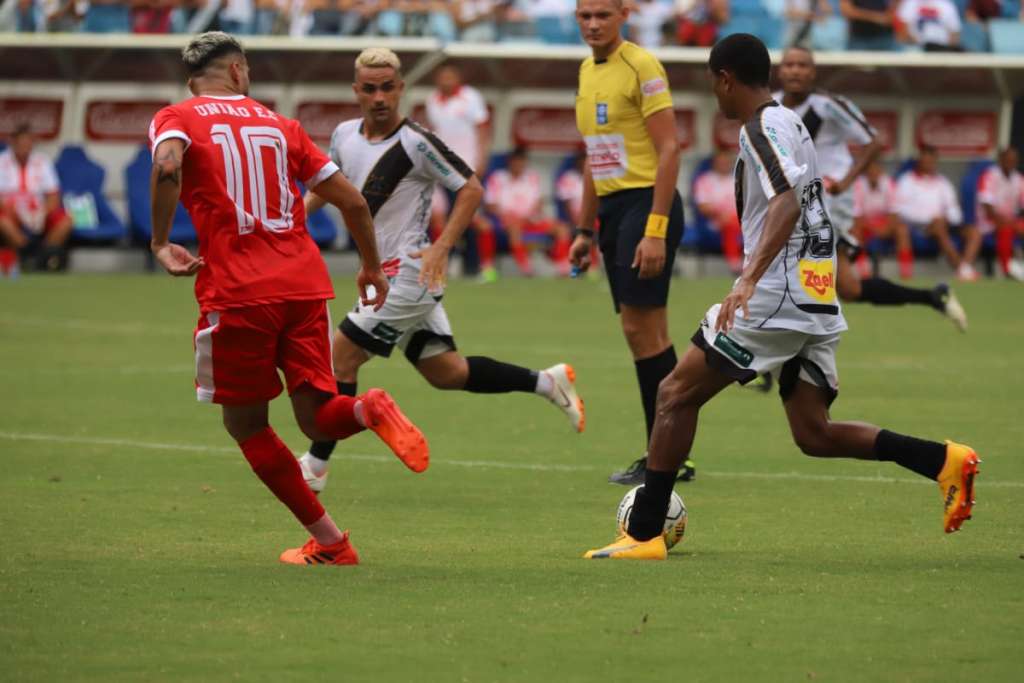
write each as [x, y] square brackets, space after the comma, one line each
[43, 116]
[319, 119]
[107, 121]
[958, 132]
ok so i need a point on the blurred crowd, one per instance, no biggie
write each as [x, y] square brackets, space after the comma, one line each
[949, 25]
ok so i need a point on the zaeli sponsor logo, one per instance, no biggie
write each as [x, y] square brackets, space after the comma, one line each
[818, 280]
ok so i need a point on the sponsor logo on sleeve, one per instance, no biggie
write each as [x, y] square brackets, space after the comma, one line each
[442, 167]
[653, 87]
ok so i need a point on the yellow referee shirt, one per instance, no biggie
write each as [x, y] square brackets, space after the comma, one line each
[614, 97]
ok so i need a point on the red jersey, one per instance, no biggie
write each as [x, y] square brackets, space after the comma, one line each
[238, 185]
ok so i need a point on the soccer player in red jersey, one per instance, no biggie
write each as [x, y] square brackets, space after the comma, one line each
[261, 284]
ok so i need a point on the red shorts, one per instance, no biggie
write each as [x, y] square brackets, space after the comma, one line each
[239, 350]
[53, 218]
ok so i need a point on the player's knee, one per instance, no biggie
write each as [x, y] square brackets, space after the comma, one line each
[448, 376]
[811, 439]
[241, 427]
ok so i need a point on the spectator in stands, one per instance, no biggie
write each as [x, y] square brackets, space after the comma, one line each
[32, 218]
[932, 24]
[648, 20]
[875, 217]
[983, 10]
[237, 16]
[26, 16]
[870, 24]
[417, 18]
[553, 20]
[108, 16]
[271, 17]
[63, 16]
[699, 21]
[476, 20]
[514, 198]
[928, 203]
[152, 16]
[458, 114]
[801, 15]
[569, 196]
[715, 196]
[1000, 205]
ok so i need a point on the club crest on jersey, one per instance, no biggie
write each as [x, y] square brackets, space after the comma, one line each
[818, 280]
[602, 113]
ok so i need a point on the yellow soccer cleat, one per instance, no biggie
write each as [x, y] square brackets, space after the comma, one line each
[626, 547]
[956, 481]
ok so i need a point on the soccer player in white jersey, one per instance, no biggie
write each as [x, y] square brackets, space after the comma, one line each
[834, 123]
[396, 163]
[782, 316]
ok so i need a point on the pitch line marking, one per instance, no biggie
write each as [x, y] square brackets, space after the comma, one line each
[495, 464]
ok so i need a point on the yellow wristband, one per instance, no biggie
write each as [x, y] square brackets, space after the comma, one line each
[657, 226]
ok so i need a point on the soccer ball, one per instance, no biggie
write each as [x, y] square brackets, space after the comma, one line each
[675, 520]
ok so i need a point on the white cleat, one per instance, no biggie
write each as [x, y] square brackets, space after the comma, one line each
[951, 307]
[316, 483]
[563, 394]
[1015, 270]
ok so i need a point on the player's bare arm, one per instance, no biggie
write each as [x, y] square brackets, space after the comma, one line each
[661, 126]
[343, 194]
[579, 252]
[165, 189]
[860, 164]
[313, 202]
[783, 213]
[434, 270]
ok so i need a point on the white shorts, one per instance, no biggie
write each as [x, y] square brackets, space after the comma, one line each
[789, 355]
[840, 213]
[411, 318]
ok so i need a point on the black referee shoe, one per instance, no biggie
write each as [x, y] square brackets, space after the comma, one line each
[635, 473]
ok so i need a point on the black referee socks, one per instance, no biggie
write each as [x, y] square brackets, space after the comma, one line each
[649, 373]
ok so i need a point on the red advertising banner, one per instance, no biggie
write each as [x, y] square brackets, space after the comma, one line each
[319, 119]
[120, 121]
[43, 115]
[686, 127]
[725, 133]
[546, 128]
[957, 133]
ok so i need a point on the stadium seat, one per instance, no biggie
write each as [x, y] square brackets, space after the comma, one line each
[1011, 9]
[82, 179]
[699, 236]
[1007, 36]
[563, 166]
[136, 185]
[761, 24]
[974, 37]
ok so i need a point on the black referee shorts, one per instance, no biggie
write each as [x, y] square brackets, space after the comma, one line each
[623, 218]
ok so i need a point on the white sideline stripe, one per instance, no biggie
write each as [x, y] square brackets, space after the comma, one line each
[195, 448]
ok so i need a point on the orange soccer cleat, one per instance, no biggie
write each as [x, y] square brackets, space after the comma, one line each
[384, 418]
[956, 481]
[341, 552]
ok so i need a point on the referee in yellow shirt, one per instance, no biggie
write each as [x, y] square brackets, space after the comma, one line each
[624, 113]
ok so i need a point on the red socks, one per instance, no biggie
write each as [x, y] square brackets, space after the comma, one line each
[732, 244]
[337, 418]
[1004, 247]
[278, 469]
[485, 246]
[560, 253]
[906, 261]
[521, 256]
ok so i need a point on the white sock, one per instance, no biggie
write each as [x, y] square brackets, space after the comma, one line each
[545, 385]
[316, 465]
[325, 531]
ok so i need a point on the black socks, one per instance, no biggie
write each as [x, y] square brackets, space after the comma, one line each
[881, 292]
[650, 506]
[489, 376]
[649, 373]
[924, 457]
[323, 449]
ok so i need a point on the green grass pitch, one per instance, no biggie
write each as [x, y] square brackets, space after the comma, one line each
[137, 545]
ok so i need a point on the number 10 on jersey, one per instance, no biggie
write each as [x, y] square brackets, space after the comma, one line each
[263, 170]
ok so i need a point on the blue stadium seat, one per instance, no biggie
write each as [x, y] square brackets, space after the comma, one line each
[563, 166]
[1007, 36]
[698, 235]
[136, 186]
[761, 24]
[80, 176]
[1011, 9]
[974, 36]
[969, 188]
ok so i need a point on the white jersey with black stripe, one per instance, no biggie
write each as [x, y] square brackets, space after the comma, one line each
[798, 290]
[834, 123]
[396, 176]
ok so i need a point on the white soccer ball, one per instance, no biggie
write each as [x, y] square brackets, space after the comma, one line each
[675, 520]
